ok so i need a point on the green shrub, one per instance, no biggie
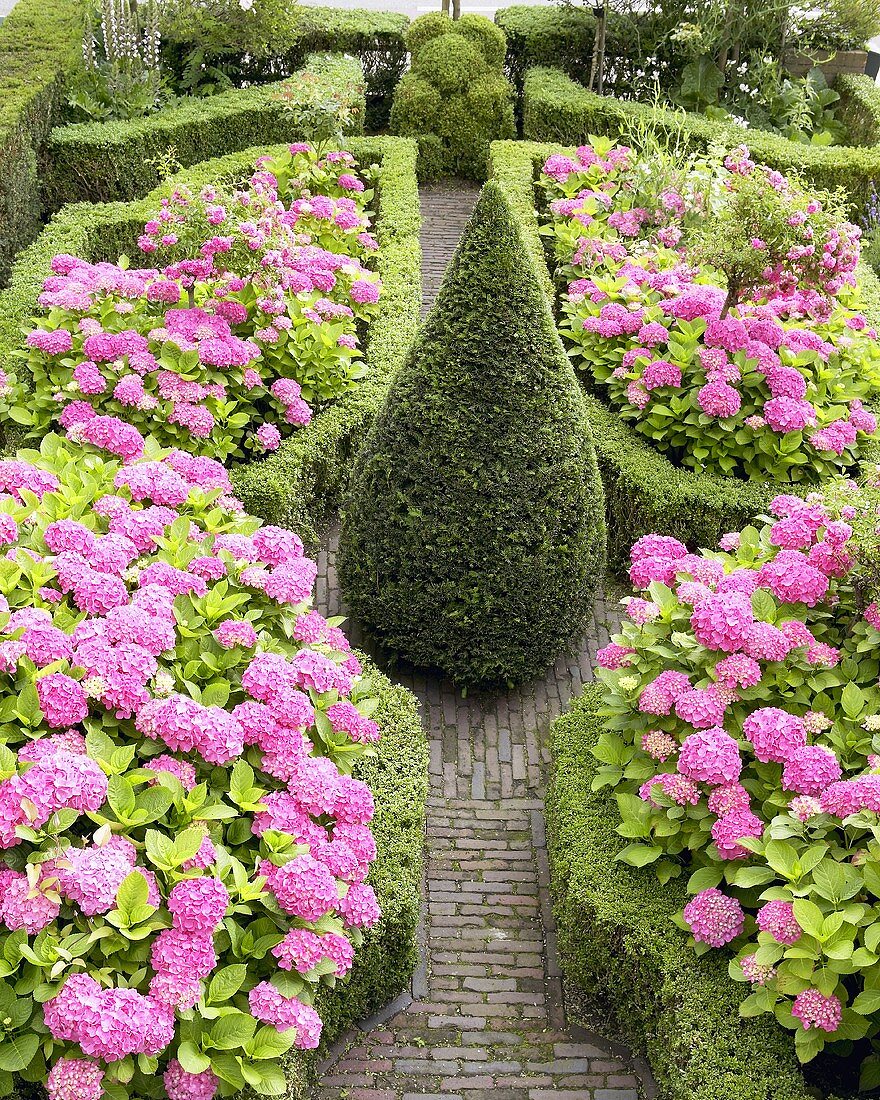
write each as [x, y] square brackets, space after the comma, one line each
[106, 161]
[860, 107]
[556, 109]
[560, 37]
[617, 940]
[473, 536]
[375, 37]
[39, 44]
[306, 475]
[644, 491]
[455, 99]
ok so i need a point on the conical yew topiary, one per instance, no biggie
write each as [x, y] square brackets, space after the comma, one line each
[474, 536]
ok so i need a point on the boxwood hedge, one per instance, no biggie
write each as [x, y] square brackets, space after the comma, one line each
[376, 37]
[109, 161]
[39, 42]
[556, 109]
[473, 538]
[644, 491]
[398, 778]
[616, 939]
[307, 473]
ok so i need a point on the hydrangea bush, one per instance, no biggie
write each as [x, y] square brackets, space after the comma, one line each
[716, 307]
[184, 847]
[255, 315]
[743, 746]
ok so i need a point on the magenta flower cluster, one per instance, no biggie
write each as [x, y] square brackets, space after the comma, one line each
[749, 706]
[179, 770]
[253, 317]
[776, 386]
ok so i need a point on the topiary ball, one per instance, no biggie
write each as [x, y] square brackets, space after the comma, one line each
[486, 35]
[424, 29]
[450, 63]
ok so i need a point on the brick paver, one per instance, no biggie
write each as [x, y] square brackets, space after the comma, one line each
[484, 1018]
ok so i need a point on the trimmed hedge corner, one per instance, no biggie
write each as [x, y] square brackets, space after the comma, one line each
[473, 538]
[455, 99]
[617, 940]
[398, 778]
[556, 109]
[644, 491]
[39, 44]
[110, 161]
[376, 37]
[308, 472]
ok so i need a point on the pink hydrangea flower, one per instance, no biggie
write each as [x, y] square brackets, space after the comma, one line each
[714, 918]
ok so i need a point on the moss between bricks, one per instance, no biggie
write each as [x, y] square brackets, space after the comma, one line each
[644, 491]
[616, 940]
[307, 474]
[557, 109]
[109, 161]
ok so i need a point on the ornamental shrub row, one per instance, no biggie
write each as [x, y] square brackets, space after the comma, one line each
[556, 109]
[617, 940]
[644, 491]
[375, 37]
[39, 43]
[455, 99]
[310, 468]
[110, 161]
[473, 538]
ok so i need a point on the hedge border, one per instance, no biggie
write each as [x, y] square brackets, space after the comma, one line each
[39, 43]
[557, 109]
[306, 476]
[616, 939]
[117, 161]
[398, 778]
[644, 491]
[376, 37]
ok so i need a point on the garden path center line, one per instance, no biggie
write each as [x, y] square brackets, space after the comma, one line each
[484, 1019]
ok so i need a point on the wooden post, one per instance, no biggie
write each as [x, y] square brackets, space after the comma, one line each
[456, 9]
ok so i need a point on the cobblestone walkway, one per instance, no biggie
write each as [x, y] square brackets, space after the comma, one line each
[484, 1019]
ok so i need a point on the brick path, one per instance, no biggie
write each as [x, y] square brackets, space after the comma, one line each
[484, 1019]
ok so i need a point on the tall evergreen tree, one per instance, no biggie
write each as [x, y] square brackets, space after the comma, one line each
[474, 535]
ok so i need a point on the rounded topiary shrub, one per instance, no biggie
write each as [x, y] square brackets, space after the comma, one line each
[470, 103]
[474, 536]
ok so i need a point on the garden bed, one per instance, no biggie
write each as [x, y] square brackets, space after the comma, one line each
[112, 161]
[557, 109]
[311, 467]
[617, 940]
[644, 490]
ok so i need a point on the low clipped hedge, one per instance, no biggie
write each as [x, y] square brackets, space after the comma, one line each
[375, 37]
[39, 44]
[308, 472]
[860, 104]
[109, 161]
[644, 490]
[557, 109]
[398, 778]
[617, 939]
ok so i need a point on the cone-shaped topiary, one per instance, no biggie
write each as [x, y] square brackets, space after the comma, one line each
[474, 536]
